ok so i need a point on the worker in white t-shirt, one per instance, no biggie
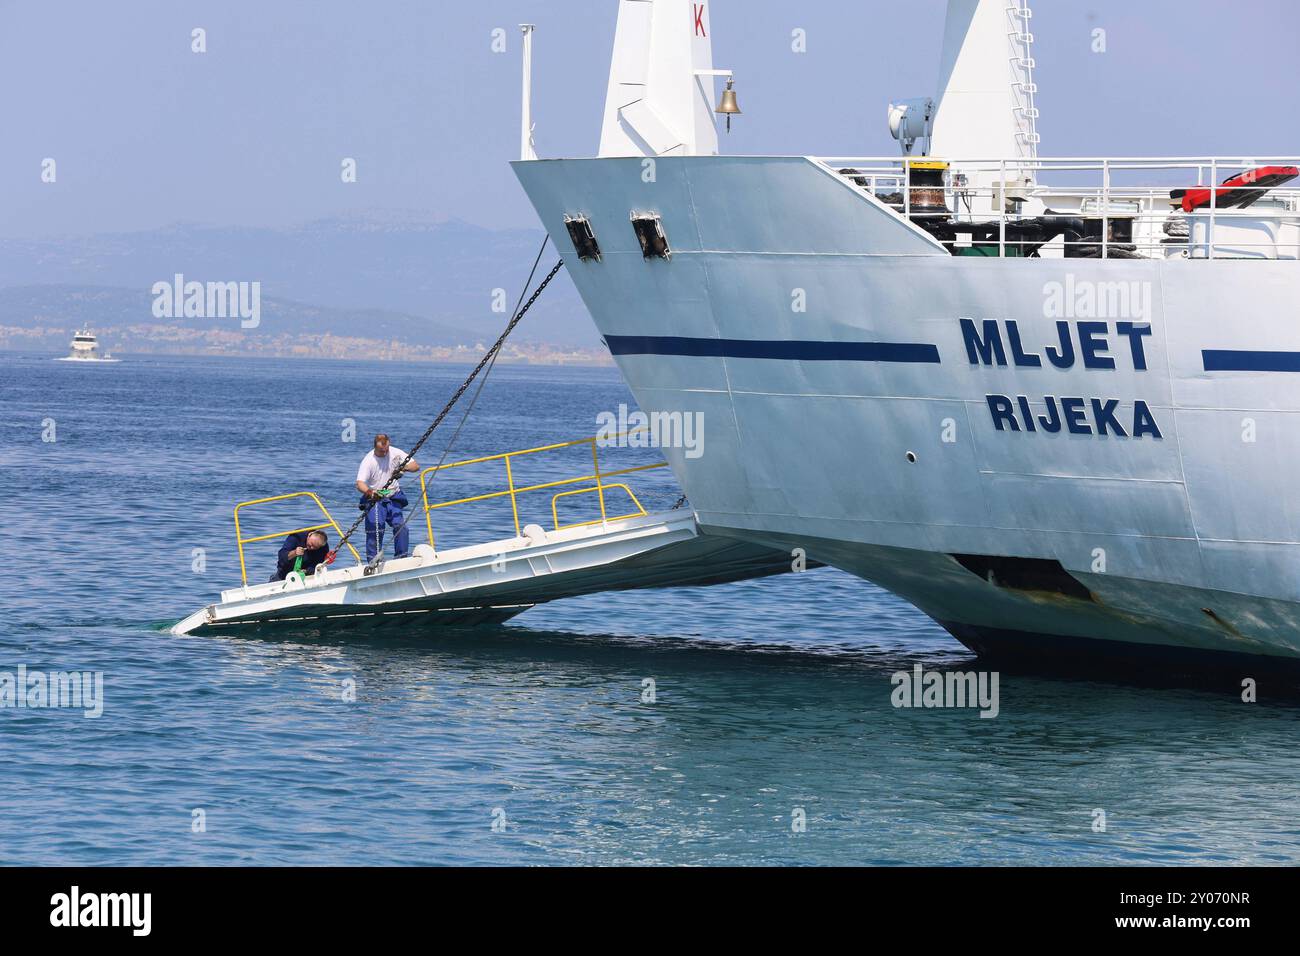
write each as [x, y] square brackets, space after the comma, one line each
[383, 506]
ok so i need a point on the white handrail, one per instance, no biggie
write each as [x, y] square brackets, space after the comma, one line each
[1086, 187]
[1251, 161]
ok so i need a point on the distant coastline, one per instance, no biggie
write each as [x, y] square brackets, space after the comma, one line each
[160, 339]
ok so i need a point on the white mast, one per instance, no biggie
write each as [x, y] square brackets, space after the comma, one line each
[986, 102]
[660, 96]
[526, 150]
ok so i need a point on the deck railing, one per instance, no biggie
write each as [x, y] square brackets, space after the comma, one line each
[1134, 190]
[599, 477]
[240, 540]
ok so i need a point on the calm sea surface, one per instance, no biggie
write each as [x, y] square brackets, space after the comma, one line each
[772, 697]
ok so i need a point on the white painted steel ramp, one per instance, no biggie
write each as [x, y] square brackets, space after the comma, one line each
[493, 582]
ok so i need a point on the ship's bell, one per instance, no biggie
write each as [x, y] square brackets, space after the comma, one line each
[728, 105]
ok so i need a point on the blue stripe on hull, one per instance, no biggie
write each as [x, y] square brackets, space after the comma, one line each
[804, 351]
[1234, 360]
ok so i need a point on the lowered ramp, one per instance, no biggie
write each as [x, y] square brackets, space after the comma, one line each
[493, 582]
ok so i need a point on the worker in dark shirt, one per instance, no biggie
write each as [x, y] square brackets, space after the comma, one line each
[302, 551]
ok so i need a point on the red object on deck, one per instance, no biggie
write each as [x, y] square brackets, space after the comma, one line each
[1237, 191]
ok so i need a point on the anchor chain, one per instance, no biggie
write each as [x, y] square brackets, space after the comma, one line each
[487, 357]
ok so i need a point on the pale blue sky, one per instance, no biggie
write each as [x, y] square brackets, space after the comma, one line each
[147, 133]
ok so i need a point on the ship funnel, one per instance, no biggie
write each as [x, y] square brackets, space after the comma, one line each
[661, 82]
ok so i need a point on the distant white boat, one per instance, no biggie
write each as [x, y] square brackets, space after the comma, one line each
[85, 348]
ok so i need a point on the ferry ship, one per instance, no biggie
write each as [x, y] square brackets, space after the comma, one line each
[1052, 402]
[85, 348]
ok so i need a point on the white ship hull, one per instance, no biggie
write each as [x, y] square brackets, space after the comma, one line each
[849, 411]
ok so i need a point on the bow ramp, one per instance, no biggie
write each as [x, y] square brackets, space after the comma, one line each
[492, 582]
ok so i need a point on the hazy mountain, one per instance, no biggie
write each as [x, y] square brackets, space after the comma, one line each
[365, 273]
[105, 307]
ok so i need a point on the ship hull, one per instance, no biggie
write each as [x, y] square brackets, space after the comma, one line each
[1091, 450]
[1074, 656]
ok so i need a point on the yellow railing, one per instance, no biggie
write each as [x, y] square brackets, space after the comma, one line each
[555, 500]
[240, 540]
[598, 476]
